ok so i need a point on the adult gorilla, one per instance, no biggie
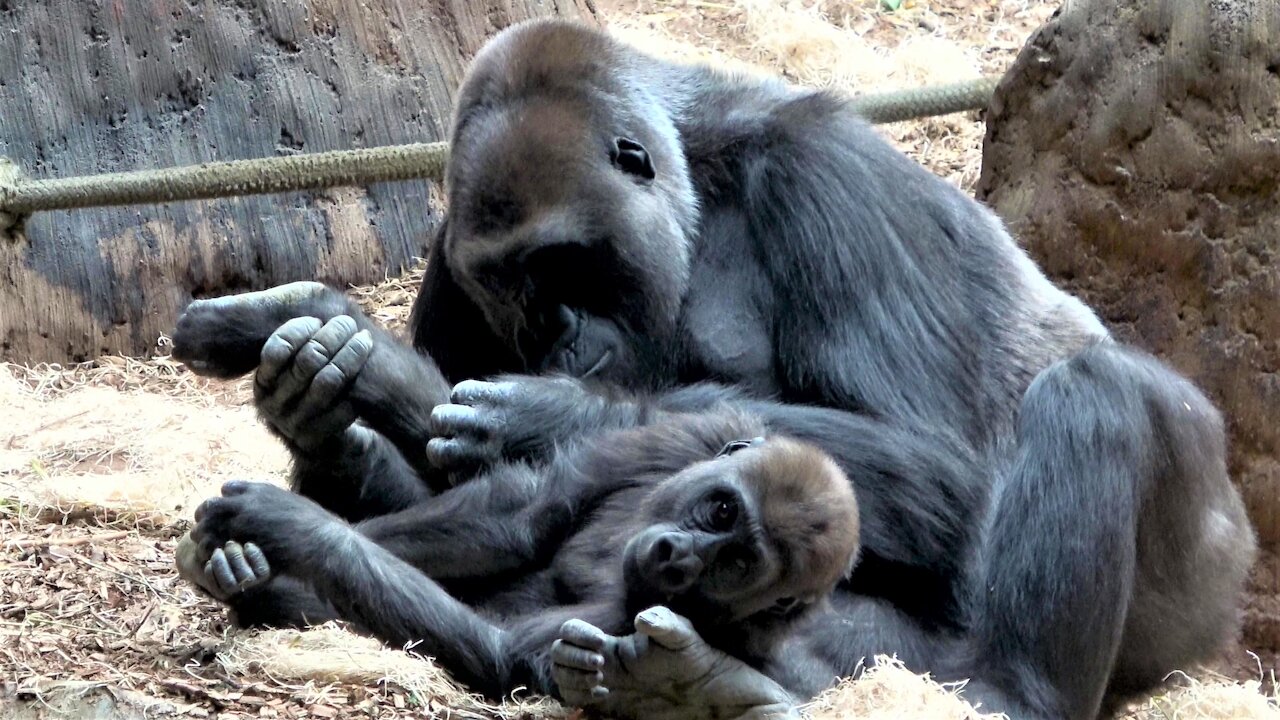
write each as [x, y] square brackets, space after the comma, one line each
[654, 226]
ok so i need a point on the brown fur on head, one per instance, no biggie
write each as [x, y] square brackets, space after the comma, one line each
[808, 508]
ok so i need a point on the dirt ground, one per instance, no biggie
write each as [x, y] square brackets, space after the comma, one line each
[102, 464]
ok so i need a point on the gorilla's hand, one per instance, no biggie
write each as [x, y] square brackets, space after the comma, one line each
[515, 417]
[286, 528]
[665, 671]
[229, 571]
[223, 337]
[302, 381]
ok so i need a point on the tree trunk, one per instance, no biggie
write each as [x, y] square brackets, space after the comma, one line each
[1135, 148]
[90, 86]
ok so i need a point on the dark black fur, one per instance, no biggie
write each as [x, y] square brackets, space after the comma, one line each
[483, 577]
[852, 299]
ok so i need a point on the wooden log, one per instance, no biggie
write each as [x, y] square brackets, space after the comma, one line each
[108, 85]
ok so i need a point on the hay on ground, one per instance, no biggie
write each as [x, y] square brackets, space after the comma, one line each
[101, 463]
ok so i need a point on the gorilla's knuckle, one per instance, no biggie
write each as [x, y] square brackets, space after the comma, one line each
[312, 351]
[444, 452]
[276, 350]
[330, 380]
[297, 330]
[469, 391]
[360, 344]
[449, 419]
[343, 325]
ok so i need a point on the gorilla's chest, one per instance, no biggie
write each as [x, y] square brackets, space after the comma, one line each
[727, 329]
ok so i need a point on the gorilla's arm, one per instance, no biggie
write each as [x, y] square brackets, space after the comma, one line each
[516, 516]
[919, 494]
[380, 593]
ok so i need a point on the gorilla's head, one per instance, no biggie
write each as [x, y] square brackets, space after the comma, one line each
[570, 206]
[758, 534]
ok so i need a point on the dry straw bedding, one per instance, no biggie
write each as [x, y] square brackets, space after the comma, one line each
[101, 464]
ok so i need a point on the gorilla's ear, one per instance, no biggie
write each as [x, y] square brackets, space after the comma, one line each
[631, 157]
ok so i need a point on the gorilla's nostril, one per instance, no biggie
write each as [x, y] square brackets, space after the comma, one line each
[663, 550]
[673, 577]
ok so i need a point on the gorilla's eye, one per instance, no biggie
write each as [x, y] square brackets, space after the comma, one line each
[785, 605]
[723, 515]
[631, 157]
[735, 445]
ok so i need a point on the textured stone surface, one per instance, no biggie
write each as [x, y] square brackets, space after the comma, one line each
[1135, 149]
[91, 86]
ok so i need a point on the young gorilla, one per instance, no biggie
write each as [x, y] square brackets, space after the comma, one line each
[740, 537]
[658, 226]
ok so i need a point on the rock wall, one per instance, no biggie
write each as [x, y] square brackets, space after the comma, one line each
[1134, 147]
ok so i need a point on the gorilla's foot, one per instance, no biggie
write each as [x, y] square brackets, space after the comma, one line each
[227, 572]
[665, 671]
[222, 337]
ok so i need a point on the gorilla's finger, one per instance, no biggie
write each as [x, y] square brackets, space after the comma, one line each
[278, 351]
[334, 335]
[569, 655]
[207, 508]
[452, 453]
[221, 571]
[571, 679]
[315, 354]
[666, 628]
[470, 392]
[461, 419]
[257, 561]
[572, 697]
[189, 560]
[352, 356]
[335, 378]
[231, 488]
[240, 568]
[584, 635]
[571, 328]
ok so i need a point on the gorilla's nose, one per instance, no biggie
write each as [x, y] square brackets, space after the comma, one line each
[675, 566]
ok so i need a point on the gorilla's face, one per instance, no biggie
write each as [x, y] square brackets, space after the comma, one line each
[569, 228]
[764, 530]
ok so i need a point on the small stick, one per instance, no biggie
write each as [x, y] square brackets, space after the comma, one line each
[68, 542]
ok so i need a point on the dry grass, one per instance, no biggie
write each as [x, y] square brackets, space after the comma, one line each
[102, 463]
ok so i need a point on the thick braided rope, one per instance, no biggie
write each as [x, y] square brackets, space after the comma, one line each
[225, 179]
[20, 196]
[926, 101]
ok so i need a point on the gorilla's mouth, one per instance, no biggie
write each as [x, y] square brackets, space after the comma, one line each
[582, 348]
[601, 364]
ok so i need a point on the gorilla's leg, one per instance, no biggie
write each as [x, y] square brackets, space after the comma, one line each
[321, 363]
[379, 593]
[479, 529]
[1116, 544]
[223, 337]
